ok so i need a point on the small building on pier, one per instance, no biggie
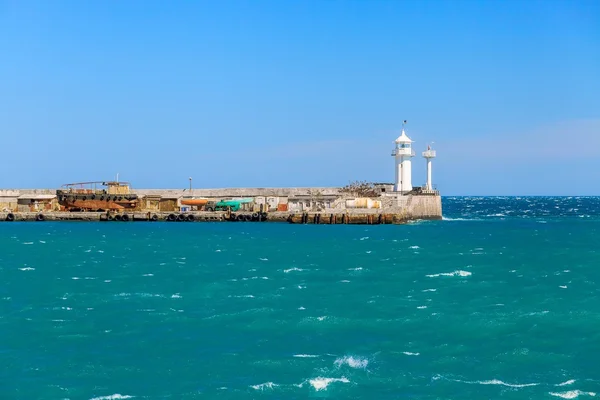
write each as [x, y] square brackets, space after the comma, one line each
[37, 202]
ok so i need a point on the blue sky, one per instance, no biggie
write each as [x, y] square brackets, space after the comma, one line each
[301, 93]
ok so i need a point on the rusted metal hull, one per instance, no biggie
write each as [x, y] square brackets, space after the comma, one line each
[101, 205]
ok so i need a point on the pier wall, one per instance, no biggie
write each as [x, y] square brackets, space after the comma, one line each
[238, 192]
[318, 200]
[424, 207]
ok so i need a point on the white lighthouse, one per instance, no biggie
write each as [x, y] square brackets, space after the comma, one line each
[402, 154]
[429, 155]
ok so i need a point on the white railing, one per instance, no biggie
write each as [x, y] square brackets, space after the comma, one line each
[429, 153]
[425, 190]
[403, 152]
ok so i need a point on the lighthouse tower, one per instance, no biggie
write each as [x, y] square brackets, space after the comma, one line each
[402, 154]
[429, 155]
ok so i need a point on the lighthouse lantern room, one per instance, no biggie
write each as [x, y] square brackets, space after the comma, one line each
[402, 154]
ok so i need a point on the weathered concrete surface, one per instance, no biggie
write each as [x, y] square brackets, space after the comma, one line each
[199, 216]
[237, 192]
[18, 192]
[52, 216]
[405, 208]
[369, 217]
[344, 218]
[424, 207]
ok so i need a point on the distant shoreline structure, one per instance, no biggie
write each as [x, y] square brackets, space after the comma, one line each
[276, 204]
[357, 201]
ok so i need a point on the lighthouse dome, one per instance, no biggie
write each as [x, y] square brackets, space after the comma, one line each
[403, 138]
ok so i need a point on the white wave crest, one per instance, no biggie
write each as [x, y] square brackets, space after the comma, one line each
[306, 355]
[414, 247]
[572, 394]
[115, 396]
[454, 273]
[458, 219]
[499, 382]
[263, 386]
[27, 269]
[352, 362]
[408, 353]
[569, 382]
[287, 271]
[488, 382]
[321, 383]
[429, 290]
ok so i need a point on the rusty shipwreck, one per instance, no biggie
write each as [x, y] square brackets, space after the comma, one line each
[96, 196]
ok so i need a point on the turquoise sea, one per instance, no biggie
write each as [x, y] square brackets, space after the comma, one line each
[501, 299]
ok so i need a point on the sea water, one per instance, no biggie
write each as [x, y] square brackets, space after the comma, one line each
[501, 299]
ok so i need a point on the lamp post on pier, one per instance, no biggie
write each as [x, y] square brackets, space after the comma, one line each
[190, 185]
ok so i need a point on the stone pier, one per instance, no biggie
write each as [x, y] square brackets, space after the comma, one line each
[292, 205]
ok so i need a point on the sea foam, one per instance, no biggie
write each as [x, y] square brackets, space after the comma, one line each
[352, 362]
[454, 273]
[569, 382]
[264, 386]
[321, 383]
[497, 382]
[572, 394]
[115, 396]
[287, 271]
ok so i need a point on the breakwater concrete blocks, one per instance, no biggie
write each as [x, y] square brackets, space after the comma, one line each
[395, 207]
[422, 210]
[345, 218]
[425, 207]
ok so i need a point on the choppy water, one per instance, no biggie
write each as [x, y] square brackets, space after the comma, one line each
[501, 299]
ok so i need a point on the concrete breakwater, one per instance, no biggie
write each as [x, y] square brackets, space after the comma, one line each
[294, 205]
[321, 218]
